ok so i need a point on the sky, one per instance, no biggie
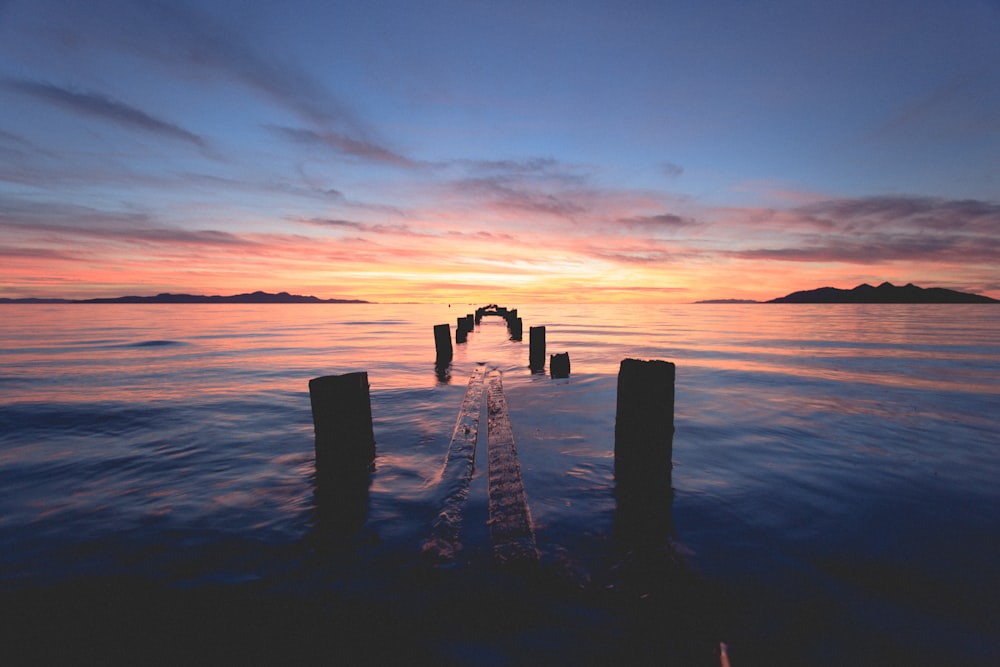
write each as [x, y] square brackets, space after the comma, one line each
[489, 151]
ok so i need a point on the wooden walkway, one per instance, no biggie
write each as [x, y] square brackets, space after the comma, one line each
[456, 474]
[511, 529]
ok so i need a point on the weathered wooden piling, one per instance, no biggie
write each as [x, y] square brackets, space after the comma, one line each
[536, 348]
[644, 432]
[516, 328]
[442, 343]
[342, 418]
[644, 420]
[559, 365]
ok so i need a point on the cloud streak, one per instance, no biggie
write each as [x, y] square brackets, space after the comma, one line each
[98, 105]
[343, 145]
[871, 230]
[76, 224]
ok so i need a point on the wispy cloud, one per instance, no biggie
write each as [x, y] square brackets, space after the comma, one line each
[509, 194]
[876, 249]
[343, 145]
[529, 189]
[669, 221]
[98, 105]
[916, 213]
[29, 253]
[671, 170]
[65, 223]
[870, 230]
[14, 139]
[967, 104]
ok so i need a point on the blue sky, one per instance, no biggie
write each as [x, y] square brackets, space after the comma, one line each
[462, 150]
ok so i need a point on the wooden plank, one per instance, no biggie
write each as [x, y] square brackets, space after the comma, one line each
[456, 474]
[511, 530]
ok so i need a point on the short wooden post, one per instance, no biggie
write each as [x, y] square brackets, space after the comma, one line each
[644, 421]
[559, 365]
[536, 348]
[442, 343]
[516, 328]
[342, 418]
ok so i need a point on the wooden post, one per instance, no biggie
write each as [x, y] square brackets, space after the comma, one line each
[644, 420]
[516, 328]
[644, 433]
[342, 418]
[442, 343]
[536, 348]
[559, 365]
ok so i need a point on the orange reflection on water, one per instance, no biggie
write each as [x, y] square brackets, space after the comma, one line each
[153, 353]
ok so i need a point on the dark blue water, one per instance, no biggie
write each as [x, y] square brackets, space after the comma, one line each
[835, 498]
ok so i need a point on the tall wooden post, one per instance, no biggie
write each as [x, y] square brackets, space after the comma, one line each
[644, 420]
[536, 348]
[644, 433]
[442, 343]
[342, 418]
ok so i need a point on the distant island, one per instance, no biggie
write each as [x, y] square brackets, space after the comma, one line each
[865, 293]
[884, 293]
[254, 297]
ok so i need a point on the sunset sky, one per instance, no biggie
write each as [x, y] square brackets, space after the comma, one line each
[498, 151]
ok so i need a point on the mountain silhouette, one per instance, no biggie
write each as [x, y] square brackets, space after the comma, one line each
[884, 293]
[166, 297]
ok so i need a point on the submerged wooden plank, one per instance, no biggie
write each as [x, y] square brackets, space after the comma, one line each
[511, 530]
[456, 474]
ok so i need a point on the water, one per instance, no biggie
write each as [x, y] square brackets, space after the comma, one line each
[834, 483]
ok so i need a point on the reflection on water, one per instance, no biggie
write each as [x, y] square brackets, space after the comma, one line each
[828, 463]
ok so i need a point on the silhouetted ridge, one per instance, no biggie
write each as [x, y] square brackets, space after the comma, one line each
[167, 297]
[884, 293]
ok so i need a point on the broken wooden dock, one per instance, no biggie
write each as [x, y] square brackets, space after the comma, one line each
[511, 530]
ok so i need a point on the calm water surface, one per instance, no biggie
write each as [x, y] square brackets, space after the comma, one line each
[834, 473]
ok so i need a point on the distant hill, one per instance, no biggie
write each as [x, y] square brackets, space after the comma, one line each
[255, 297]
[884, 293]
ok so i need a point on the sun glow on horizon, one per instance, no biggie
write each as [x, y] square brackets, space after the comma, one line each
[371, 163]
